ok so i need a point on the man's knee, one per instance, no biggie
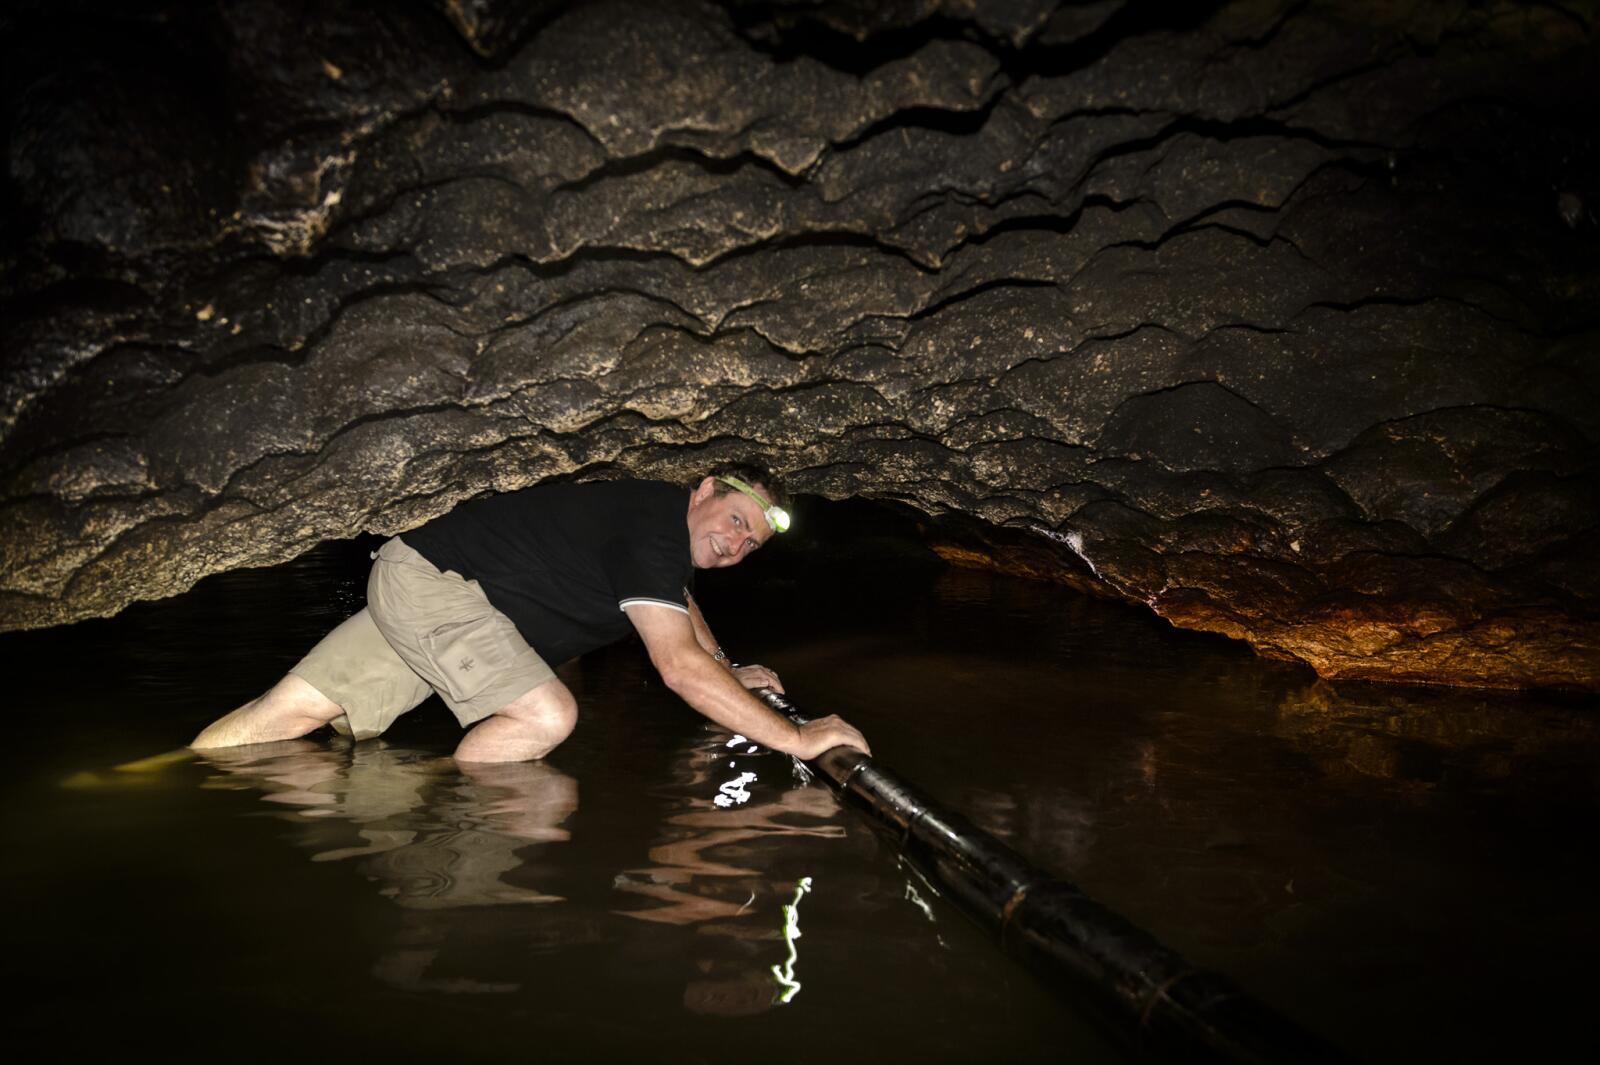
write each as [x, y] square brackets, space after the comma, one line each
[530, 726]
[550, 707]
[290, 708]
[297, 697]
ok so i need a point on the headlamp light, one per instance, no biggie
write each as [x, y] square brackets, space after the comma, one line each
[777, 517]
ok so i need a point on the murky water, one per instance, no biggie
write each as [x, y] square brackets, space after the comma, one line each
[1407, 872]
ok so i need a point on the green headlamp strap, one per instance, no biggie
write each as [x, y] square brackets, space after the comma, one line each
[776, 516]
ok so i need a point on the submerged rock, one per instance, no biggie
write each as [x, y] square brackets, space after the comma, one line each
[1255, 314]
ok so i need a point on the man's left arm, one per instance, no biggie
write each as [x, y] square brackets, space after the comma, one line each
[749, 676]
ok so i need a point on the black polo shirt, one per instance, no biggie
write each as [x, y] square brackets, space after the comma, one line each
[562, 560]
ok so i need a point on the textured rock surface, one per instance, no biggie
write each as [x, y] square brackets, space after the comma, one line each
[1280, 318]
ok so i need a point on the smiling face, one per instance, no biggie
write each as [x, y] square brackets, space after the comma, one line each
[724, 529]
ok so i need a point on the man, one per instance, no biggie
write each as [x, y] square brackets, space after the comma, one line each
[474, 604]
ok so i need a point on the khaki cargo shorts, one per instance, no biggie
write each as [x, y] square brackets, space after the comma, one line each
[422, 631]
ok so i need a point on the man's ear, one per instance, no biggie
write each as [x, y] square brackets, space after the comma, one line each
[703, 491]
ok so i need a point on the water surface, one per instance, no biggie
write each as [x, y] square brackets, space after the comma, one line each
[1405, 871]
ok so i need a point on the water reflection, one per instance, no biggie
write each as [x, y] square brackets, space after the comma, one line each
[1417, 738]
[430, 832]
[731, 813]
[433, 835]
[696, 874]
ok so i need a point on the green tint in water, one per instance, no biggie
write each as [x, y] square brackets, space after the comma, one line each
[1406, 872]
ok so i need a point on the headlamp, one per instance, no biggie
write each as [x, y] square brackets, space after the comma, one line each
[776, 516]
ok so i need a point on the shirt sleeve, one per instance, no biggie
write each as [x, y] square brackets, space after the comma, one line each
[650, 570]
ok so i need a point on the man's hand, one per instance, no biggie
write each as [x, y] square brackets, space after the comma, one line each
[758, 677]
[825, 732]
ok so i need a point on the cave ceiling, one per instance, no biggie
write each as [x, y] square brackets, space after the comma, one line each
[1279, 318]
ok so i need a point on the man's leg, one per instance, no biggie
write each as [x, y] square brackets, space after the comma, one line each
[290, 708]
[528, 727]
[351, 676]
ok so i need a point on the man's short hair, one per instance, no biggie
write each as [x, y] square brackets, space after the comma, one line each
[755, 474]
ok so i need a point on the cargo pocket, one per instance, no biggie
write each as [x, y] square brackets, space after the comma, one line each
[467, 655]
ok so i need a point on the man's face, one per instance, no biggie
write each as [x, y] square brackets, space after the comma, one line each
[724, 529]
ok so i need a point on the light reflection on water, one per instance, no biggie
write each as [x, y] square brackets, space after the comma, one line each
[690, 876]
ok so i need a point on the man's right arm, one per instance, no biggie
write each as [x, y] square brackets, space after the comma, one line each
[704, 684]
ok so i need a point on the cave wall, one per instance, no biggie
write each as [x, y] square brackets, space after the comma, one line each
[1278, 317]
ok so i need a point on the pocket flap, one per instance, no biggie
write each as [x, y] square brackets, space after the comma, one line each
[467, 654]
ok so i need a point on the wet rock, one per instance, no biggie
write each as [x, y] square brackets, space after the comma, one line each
[1197, 426]
[1423, 737]
[1254, 314]
[493, 27]
[119, 166]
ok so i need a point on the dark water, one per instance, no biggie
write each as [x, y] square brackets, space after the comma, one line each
[1407, 872]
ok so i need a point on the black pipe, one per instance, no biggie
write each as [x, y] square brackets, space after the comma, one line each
[1173, 1009]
